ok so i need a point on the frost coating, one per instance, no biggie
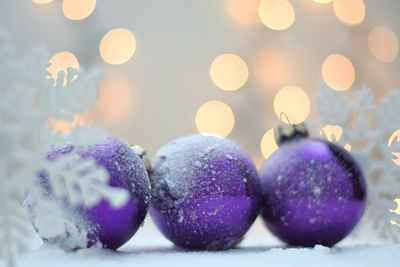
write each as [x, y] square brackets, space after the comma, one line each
[91, 212]
[205, 192]
[314, 193]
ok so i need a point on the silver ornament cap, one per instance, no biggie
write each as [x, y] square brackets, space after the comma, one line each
[288, 132]
[143, 156]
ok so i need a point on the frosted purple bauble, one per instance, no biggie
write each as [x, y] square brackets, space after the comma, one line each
[205, 192]
[104, 224]
[314, 193]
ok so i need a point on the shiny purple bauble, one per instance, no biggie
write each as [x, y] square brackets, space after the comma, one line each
[205, 192]
[105, 225]
[314, 193]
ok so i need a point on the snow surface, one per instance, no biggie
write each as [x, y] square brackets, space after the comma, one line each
[149, 248]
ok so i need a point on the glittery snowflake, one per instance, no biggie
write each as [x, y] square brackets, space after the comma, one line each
[28, 100]
[370, 131]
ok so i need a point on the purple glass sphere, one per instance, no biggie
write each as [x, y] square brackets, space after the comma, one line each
[105, 224]
[314, 193]
[205, 192]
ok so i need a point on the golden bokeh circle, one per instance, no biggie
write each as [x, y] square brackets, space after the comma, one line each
[272, 67]
[78, 10]
[276, 14]
[117, 46]
[351, 12]
[115, 99]
[244, 12]
[229, 72]
[60, 62]
[332, 132]
[323, 1]
[338, 72]
[215, 118]
[41, 2]
[395, 137]
[383, 43]
[268, 144]
[292, 103]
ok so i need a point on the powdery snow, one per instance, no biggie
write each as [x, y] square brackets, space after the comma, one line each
[149, 248]
[383, 255]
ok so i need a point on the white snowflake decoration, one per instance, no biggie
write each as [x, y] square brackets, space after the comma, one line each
[367, 128]
[28, 100]
[82, 181]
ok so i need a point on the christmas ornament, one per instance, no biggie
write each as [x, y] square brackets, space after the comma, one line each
[98, 221]
[205, 192]
[314, 191]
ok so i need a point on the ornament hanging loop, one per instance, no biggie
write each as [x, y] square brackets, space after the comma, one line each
[283, 114]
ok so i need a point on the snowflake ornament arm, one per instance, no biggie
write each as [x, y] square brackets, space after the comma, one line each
[28, 101]
[366, 128]
[14, 224]
[82, 181]
[71, 94]
[334, 108]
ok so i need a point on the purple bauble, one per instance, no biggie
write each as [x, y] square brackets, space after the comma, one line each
[205, 192]
[102, 224]
[314, 193]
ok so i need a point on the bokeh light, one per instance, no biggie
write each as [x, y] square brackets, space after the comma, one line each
[351, 12]
[268, 144]
[61, 62]
[383, 43]
[115, 100]
[42, 1]
[292, 102]
[347, 147]
[272, 67]
[395, 137]
[338, 72]
[117, 46]
[323, 1]
[78, 10]
[244, 12]
[258, 161]
[276, 14]
[397, 210]
[332, 132]
[60, 126]
[65, 126]
[216, 118]
[229, 72]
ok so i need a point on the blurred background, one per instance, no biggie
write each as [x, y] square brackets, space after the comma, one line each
[224, 67]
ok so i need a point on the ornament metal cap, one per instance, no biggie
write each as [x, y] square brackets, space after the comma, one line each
[289, 132]
[143, 156]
